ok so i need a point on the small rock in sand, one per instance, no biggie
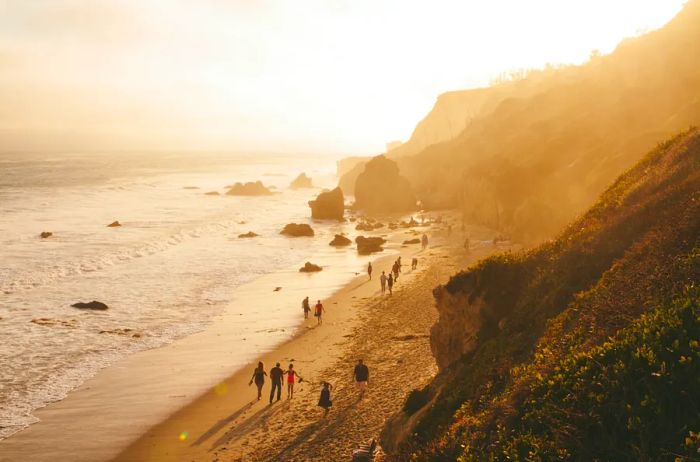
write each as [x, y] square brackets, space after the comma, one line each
[93, 305]
[45, 234]
[248, 235]
[310, 268]
[114, 224]
[212, 193]
[277, 289]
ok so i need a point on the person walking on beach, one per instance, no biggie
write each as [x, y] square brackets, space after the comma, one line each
[369, 270]
[424, 241]
[291, 375]
[361, 376]
[390, 283]
[414, 263]
[325, 399]
[395, 270]
[398, 263]
[382, 281]
[319, 309]
[276, 374]
[306, 306]
[259, 378]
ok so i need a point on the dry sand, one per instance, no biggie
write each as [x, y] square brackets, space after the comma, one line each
[391, 333]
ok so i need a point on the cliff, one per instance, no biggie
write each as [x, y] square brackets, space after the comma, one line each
[543, 154]
[578, 349]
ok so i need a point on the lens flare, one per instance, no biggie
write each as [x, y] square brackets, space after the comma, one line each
[183, 436]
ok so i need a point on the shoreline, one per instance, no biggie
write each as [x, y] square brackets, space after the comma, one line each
[228, 423]
[143, 382]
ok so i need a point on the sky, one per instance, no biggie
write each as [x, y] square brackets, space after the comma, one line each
[332, 77]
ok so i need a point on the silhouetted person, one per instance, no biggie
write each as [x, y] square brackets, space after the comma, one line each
[361, 376]
[259, 378]
[306, 306]
[369, 270]
[325, 399]
[467, 244]
[382, 281]
[395, 270]
[276, 374]
[424, 241]
[390, 283]
[414, 263]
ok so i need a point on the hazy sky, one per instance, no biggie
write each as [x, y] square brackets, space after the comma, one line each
[328, 76]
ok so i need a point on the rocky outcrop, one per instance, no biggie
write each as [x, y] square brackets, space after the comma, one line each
[459, 321]
[310, 268]
[45, 234]
[340, 241]
[411, 241]
[249, 189]
[249, 234]
[114, 224]
[212, 193]
[302, 181]
[380, 188]
[368, 245]
[328, 205]
[93, 305]
[298, 230]
[368, 226]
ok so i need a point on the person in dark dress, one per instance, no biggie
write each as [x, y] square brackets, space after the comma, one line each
[325, 400]
[361, 376]
[276, 374]
[259, 378]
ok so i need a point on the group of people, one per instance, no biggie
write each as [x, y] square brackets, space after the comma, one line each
[318, 310]
[277, 376]
[387, 281]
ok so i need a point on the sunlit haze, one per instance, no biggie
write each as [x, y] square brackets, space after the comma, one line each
[329, 77]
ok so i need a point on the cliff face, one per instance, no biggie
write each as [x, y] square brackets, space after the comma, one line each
[540, 151]
[524, 341]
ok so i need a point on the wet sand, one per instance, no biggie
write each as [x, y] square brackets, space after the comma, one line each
[391, 333]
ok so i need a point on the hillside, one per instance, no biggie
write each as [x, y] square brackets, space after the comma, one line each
[551, 144]
[584, 348]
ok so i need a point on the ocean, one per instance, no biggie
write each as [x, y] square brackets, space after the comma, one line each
[170, 268]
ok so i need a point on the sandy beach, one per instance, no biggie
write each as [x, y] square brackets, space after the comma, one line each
[208, 413]
[391, 334]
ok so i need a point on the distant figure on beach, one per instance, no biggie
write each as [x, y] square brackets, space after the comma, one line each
[319, 309]
[449, 230]
[382, 281]
[466, 244]
[325, 399]
[369, 270]
[424, 241]
[390, 283]
[395, 270]
[276, 374]
[361, 376]
[259, 378]
[306, 306]
[398, 261]
[414, 263]
[291, 374]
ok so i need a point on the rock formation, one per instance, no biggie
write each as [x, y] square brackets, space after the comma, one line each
[380, 188]
[310, 268]
[328, 205]
[249, 234]
[302, 181]
[340, 241]
[297, 230]
[412, 241]
[45, 234]
[212, 193]
[114, 224]
[93, 305]
[249, 189]
[368, 245]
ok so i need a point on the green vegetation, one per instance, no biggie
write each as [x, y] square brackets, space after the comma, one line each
[589, 343]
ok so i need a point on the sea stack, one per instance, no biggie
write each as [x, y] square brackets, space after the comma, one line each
[329, 205]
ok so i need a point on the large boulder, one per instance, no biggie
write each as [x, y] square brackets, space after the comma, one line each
[340, 241]
[328, 205]
[380, 188]
[302, 181]
[310, 268]
[249, 189]
[93, 305]
[368, 245]
[297, 230]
